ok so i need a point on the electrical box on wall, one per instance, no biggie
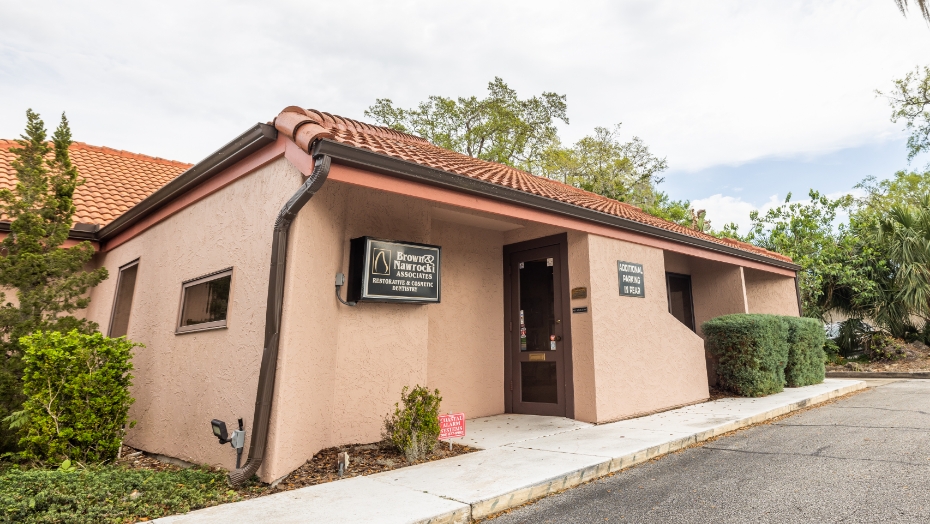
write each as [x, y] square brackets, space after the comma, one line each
[393, 271]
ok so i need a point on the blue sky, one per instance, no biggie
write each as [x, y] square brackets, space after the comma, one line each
[729, 191]
[746, 100]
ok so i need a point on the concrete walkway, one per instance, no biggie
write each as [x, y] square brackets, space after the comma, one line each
[524, 457]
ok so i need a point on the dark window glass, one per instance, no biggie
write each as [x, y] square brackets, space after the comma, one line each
[205, 302]
[538, 382]
[126, 285]
[537, 305]
[679, 298]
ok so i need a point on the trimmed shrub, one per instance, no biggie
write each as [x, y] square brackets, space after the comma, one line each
[414, 428]
[77, 389]
[806, 357]
[752, 351]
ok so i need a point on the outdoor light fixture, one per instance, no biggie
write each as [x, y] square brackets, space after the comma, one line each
[237, 440]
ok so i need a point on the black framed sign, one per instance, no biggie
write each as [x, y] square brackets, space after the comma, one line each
[393, 271]
[631, 279]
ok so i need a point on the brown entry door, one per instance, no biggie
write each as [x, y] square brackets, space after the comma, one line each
[537, 347]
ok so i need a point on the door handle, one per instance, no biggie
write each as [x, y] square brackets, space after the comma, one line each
[555, 338]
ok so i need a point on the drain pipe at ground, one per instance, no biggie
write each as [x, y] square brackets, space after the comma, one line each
[282, 225]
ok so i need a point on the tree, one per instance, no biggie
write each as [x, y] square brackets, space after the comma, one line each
[600, 163]
[835, 270]
[501, 128]
[903, 233]
[50, 280]
[909, 100]
[522, 133]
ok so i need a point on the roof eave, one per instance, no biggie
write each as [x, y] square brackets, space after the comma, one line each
[364, 159]
[257, 137]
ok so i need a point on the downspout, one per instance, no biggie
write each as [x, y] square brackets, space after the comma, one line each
[797, 290]
[273, 311]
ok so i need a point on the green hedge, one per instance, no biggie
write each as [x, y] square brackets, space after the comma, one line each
[752, 351]
[805, 352]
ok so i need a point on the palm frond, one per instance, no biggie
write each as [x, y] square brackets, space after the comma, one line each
[922, 5]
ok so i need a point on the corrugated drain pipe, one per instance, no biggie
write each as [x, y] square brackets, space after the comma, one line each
[282, 225]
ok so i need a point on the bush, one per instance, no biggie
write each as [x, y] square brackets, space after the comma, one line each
[852, 336]
[414, 428]
[752, 351]
[77, 389]
[106, 494]
[881, 347]
[806, 357]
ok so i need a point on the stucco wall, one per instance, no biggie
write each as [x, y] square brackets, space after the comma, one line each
[184, 381]
[717, 289]
[770, 293]
[582, 325]
[341, 369]
[645, 359]
[466, 330]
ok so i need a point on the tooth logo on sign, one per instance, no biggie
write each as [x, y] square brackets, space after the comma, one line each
[381, 265]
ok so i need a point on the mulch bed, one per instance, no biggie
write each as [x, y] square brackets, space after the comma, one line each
[364, 459]
[916, 358]
[717, 394]
[131, 458]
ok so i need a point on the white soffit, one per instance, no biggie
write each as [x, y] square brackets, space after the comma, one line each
[447, 215]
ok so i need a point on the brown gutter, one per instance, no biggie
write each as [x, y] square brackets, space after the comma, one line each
[78, 231]
[242, 146]
[378, 163]
[797, 290]
[273, 312]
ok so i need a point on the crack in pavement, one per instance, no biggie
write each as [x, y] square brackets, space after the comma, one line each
[849, 426]
[815, 454]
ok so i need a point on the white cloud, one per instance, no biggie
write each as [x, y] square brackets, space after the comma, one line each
[705, 83]
[724, 209]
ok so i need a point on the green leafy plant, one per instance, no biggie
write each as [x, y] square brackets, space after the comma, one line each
[106, 494]
[806, 358]
[414, 427]
[50, 280]
[881, 347]
[851, 337]
[77, 389]
[752, 352]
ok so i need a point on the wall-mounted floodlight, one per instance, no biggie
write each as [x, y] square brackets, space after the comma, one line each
[237, 440]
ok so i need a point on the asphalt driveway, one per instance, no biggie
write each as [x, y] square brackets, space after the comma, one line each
[861, 459]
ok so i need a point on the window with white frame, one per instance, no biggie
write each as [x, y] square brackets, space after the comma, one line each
[205, 302]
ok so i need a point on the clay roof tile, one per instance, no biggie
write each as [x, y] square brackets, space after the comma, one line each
[114, 180]
[416, 149]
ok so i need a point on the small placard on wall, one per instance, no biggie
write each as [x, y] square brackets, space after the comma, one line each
[580, 309]
[579, 292]
[631, 279]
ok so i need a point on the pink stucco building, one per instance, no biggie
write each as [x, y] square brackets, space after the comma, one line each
[506, 291]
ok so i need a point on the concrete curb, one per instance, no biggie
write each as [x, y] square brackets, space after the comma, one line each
[506, 475]
[485, 508]
[879, 374]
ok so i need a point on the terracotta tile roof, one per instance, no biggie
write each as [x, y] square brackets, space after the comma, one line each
[115, 180]
[306, 125]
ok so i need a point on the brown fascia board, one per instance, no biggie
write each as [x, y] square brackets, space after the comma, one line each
[371, 161]
[259, 136]
[78, 231]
